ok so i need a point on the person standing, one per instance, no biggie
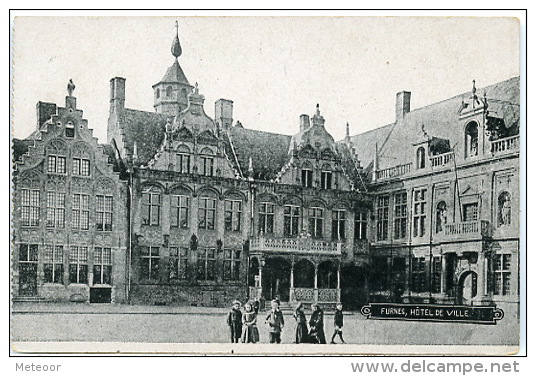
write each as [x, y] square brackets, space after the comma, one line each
[338, 322]
[316, 324]
[250, 333]
[276, 322]
[234, 321]
[301, 324]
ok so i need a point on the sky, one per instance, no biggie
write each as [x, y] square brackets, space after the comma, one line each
[273, 68]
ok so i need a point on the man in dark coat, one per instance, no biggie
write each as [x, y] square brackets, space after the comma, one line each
[338, 322]
[276, 322]
[316, 324]
[234, 320]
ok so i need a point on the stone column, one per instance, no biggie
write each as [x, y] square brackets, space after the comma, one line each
[259, 288]
[443, 275]
[481, 280]
[315, 291]
[292, 290]
[338, 283]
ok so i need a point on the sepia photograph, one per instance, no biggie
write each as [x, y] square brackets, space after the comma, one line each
[266, 184]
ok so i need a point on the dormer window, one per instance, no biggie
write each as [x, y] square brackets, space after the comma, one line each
[69, 129]
[326, 177]
[471, 139]
[307, 175]
[169, 90]
[421, 158]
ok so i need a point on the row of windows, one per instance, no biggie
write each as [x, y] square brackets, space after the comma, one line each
[56, 207]
[425, 275]
[180, 205]
[58, 164]
[469, 212]
[179, 264]
[78, 263]
[326, 178]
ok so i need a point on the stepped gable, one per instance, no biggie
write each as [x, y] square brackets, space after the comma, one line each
[144, 129]
[439, 120]
[268, 151]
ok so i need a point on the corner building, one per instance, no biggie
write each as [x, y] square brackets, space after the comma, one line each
[206, 210]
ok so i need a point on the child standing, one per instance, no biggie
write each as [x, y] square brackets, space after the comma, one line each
[276, 322]
[250, 333]
[338, 322]
[234, 320]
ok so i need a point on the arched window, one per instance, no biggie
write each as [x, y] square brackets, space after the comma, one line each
[441, 216]
[180, 208]
[505, 209]
[151, 203]
[169, 91]
[307, 175]
[56, 152]
[183, 159]
[157, 93]
[316, 222]
[326, 176]
[421, 158]
[471, 139]
[207, 162]
[184, 96]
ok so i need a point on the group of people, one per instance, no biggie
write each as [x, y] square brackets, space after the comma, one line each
[243, 325]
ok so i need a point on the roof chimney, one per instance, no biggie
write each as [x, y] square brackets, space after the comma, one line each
[304, 122]
[402, 104]
[117, 94]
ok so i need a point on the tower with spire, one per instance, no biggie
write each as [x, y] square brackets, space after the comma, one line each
[171, 93]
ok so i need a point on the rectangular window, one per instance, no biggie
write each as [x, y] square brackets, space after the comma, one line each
[307, 178]
[231, 265]
[380, 273]
[81, 166]
[338, 225]
[501, 274]
[316, 222]
[291, 220]
[28, 252]
[382, 212]
[78, 265]
[56, 164]
[436, 274]
[418, 274]
[400, 215]
[207, 166]
[183, 163]
[233, 215]
[80, 211]
[179, 211]
[419, 212]
[150, 263]
[470, 212]
[53, 264]
[105, 208]
[325, 179]
[30, 207]
[178, 263]
[151, 208]
[207, 213]
[360, 226]
[102, 266]
[56, 209]
[206, 262]
[266, 218]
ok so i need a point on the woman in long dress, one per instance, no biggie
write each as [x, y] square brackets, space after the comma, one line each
[301, 324]
[250, 333]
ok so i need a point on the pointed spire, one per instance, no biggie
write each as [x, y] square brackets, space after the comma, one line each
[176, 49]
[347, 129]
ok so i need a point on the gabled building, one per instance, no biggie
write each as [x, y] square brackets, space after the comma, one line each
[182, 208]
[445, 180]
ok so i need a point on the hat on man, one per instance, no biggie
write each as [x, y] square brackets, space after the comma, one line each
[236, 302]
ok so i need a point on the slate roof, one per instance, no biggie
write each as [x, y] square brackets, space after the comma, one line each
[268, 151]
[395, 141]
[175, 74]
[146, 129]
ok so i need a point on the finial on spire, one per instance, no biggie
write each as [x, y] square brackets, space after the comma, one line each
[474, 88]
[70, 87]
[347, 129]
[196, 89]
[176, 49]
[318, 109]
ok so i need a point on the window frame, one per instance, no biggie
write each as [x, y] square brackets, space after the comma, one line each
[53, 265]
[80, 213]
[419, 212]
[231, 265]
[232, 215]
[360, 225]
[101, 255]
[400, 214]
[266, 218]
[104, 213]
[338, 224]
[382, 217]
[151, 202]
[206, 264]
[180, 211]
[316, 221]
[30, 207]
[205, 213]
[178, 263]
[78, 257]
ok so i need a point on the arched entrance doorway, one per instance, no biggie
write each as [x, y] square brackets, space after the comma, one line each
[467, 287]
[276, 279]
[327, 275]
[304, 274]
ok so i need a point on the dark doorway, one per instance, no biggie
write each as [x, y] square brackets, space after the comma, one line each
[276, 279]
[354, 287]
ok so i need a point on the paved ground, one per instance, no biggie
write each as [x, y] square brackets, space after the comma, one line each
[153, 324]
